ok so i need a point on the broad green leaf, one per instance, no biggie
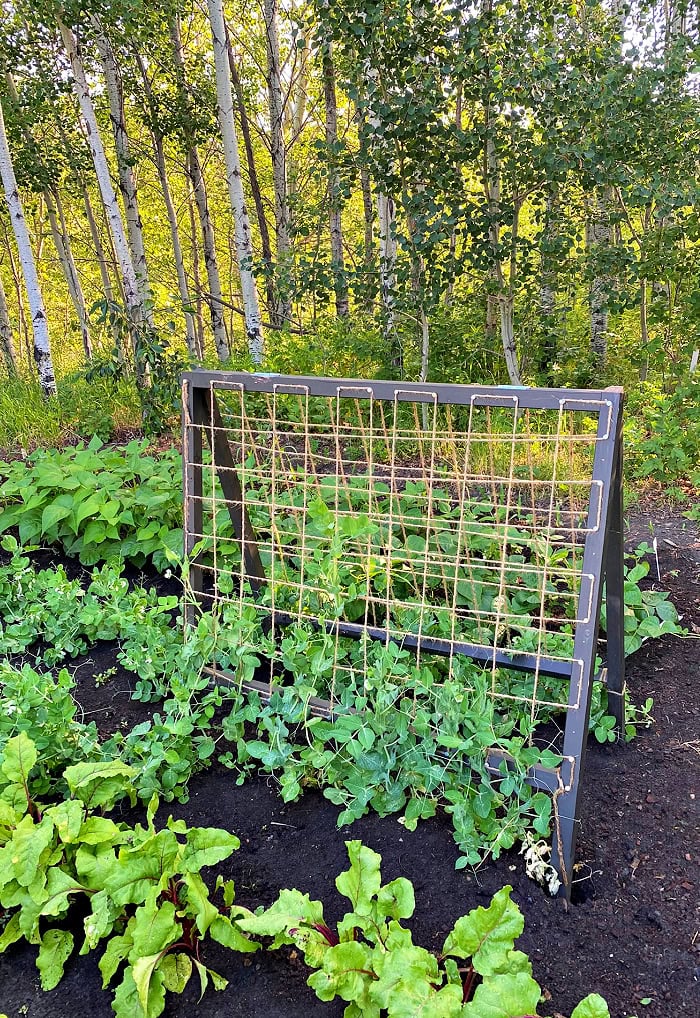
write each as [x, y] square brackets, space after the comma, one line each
[198, 902]
[149, 984]
[207, 846]
[18, 758]
[100, 784]
[95, 864]
[52, 514]
[291, 909]
[11, 934]
[117, 950]
[361, 883]
[408, 982]
[59, 886]
[23, 852]
[397, 899]
[220, 982]
[593, 1006]
[86, 507]
[101, 920]
[203, 977]
[143, 867]
[176, 970]
[68, 819]
[54, 951]
[127, 1002]
[154, 927]
[345, 973]
[227, 933]
[504, 996]
[486, 935]
[98, 830]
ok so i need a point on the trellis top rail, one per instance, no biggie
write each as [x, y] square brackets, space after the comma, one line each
[526, 397]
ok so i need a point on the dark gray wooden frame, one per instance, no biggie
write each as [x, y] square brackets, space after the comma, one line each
[602, 555]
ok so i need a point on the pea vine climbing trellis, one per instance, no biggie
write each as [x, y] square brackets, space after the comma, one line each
[466, 524]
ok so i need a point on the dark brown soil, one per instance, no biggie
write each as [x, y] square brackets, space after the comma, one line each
[633, 936]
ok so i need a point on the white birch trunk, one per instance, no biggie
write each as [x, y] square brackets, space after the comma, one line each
[59, 232]
[334, 200]
[7, 341]
[196, 178]
[127, 178]
[211, 264]
[199, 322]
[244, 243]
[183, 289]
[132, 296]
[505, 307]
[505, 296]
[387, 258]
[387, 240]
[64, 251]
[40, 330]
[283, 310]
[19, 299]
[190, 331]
[598, 236]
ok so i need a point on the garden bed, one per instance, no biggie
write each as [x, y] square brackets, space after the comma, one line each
[633, 934]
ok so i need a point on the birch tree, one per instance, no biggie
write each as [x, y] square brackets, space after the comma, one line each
[7, 341]
[282, 312]
[334, 198]
[125, 169]
[40, 330]
[157, 139]
[194, 171]
[57, 221]
[256, 190]
[244, 243]
[132, 294]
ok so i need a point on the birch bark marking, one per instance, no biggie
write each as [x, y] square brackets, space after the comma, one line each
[244, 244]
[127, 179]
[282, 312]
[132, 296]
[336, 224]
[40, 330]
